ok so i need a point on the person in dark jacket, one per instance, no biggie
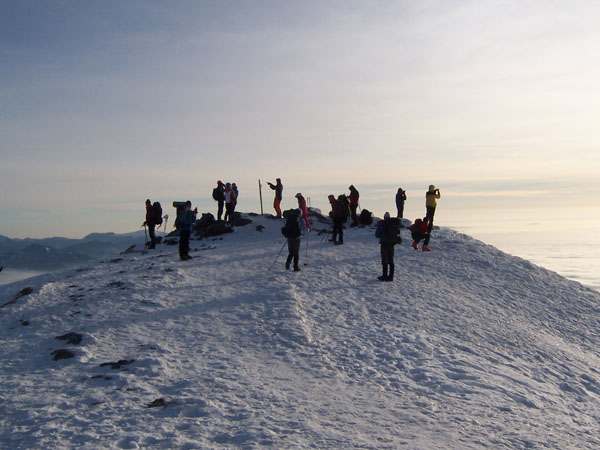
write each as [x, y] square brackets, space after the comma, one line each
[293, 231]
[400, 199]
[354, 196]
[278, 188]
[339, 217]
[185, 220]
[219, 196]
[230, 201]
[387, 232]
[151, 223]
[420, 232]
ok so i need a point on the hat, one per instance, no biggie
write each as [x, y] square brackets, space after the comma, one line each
[298, 195]
[386, 215]
[219, 182]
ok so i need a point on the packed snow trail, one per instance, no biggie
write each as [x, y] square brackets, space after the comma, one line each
[467, 348]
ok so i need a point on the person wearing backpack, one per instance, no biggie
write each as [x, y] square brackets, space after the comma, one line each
[153, 219]
[185, 220]
[420, 232]
[230, 201]
[236, 192]
[304, 209]
[218, 194]
[430, 204]
[339, 217]
[400, 199]
[293, 230]
[278, 188]
[388, 233]
[354, 196]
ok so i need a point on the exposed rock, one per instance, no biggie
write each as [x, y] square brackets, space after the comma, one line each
[62, 353]
[117, 365]
[157, 403]
[22, 293]
[260, 227]
[71, 338]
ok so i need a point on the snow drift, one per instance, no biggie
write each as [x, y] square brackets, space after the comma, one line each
[467, 348]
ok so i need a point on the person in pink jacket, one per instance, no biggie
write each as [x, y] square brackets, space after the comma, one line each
[302, 206]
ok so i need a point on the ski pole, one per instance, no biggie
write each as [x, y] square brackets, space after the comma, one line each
[285, 242]
[146, 235]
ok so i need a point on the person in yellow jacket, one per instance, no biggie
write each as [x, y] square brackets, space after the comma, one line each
[430, 196]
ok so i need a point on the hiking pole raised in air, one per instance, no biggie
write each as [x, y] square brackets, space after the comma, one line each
[285, 242]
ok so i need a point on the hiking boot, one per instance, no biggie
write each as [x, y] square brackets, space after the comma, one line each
[391, 273]
[415, 245]
[287, 267]
[384, 277]
[426, 249]
[339, 243]
[296, 269]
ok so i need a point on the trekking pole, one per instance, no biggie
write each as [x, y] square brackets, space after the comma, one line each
[146, 235]
[284, 242]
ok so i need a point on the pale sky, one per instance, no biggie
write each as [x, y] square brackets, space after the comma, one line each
[104, 104]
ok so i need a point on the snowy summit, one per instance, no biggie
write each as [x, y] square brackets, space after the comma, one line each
[467, 348]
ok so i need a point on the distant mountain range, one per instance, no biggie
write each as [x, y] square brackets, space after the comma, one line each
[58, 253]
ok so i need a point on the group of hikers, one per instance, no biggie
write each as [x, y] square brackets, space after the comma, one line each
[297, 222]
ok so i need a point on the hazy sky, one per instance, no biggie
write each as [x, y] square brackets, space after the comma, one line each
[103, 104]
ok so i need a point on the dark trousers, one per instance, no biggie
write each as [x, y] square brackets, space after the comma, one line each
[338, 228]
[420, 236]
[184, 243]
[220, 210]
[229, 208]
[387, 254]
[430, 214]
[293, 252]
[353, 214]
[400, 211]
[152, 235]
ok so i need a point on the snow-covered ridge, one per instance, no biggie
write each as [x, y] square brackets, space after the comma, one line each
[467, 348]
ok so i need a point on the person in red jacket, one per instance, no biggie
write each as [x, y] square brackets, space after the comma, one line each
[420, 232]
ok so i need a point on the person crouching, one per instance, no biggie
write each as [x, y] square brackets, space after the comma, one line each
[420, 232]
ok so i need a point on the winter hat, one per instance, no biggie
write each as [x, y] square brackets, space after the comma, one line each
[331, 198]
[431, 187]
[219, 182]
[228, 185]
[386, 215]
[298, 195]
[148, 202]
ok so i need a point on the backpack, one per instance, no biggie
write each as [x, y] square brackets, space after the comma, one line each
[345, 206]
[157, 213]
[180, 207]
[216, 194]
[366, 217]
[291, 229]
[391, 232]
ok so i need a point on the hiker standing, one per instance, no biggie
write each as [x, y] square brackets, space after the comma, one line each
[430, 196]
[218, 194]
[230, 201]
[235, 191]
[153, 218]
[354, 196]
[388, 233]
[278, 188]
[400, 199]
[420, 232]
[185, 219]
[339, 217]
[293, 231]
[304, 209]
